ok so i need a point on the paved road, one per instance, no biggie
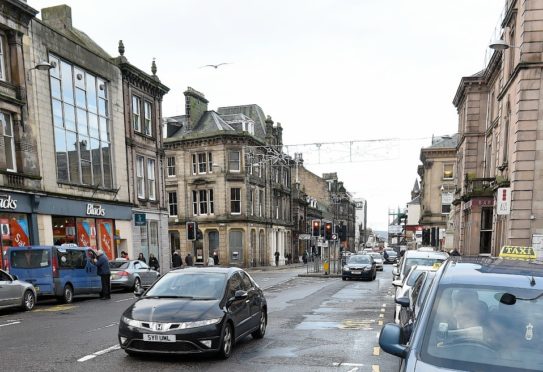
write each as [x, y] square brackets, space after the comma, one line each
[314, 325]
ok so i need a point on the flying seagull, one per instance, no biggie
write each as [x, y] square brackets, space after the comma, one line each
[216, 66]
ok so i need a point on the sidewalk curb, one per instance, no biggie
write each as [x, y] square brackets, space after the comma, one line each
[319, 276]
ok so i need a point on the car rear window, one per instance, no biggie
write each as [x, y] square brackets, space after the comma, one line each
[423, 261]
[30, 259]
[363, 259]
[119, 264]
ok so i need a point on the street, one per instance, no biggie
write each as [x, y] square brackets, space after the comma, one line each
[315, 324]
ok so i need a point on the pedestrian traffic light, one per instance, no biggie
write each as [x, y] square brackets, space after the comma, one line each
[328, 230]
[191, 230]
[316, 228]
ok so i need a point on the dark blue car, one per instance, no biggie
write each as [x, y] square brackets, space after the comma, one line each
[480, 314]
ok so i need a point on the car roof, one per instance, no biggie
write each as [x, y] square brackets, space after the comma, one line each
[492, 271]
[212, 269]
[425, 254]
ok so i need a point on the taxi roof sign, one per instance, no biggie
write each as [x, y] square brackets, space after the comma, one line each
[517, 252]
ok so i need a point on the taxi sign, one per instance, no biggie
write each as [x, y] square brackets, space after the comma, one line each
[517, 253]
[436, 265]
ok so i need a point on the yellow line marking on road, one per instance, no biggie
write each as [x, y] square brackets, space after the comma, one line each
[376, 350]
[375, 368]
[382, 310]
[380, 322]
[55, 308]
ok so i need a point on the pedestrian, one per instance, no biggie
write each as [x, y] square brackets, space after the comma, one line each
[141, 257]
[188, 260]
[124, 255]
[304, 257]
[102, 266]
[153, 262]
[454, 252]
[385, 256]
[276, 254]
[215, 258]
[176, 260]
[210, 261]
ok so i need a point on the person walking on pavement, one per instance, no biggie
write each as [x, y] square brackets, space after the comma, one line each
[215, 258]
[210, 261]
[176, 260]
[188, 260]
[276, 254]
[141, 257]
[102, 266]
[153, 262]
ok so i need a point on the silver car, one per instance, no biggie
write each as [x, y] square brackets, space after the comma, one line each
[131, 274]
[378, 258]
[16, 293]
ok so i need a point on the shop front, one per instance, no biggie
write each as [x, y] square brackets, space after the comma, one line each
[98, 225]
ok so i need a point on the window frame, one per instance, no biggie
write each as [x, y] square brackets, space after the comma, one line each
[3, 64]
[147, 118]
[198, 205]
[136, 113]
[172, 204]
[171, 166]
[7, 121]
[232, 161]
[445, 165]
[151, 182]
[233, 202]
[140, 177]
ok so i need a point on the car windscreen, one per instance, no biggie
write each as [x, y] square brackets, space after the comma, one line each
[413, 277]
[471, 329]
[119, 264]
[362, 259]
[392, 253]
[422, 261]
[208, 286]
[30, 259]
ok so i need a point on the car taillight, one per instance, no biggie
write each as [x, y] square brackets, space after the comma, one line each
[55, 267]
[122, 273]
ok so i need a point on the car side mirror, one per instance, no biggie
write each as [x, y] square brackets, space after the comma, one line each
[138, 292]
[397, 283]
[402, 301]
[240, 295]
[390, 340]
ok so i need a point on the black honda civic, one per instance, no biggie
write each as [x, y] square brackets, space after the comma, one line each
[195, 310]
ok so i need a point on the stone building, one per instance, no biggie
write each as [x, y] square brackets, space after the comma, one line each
[20, 175]
[142, 106]
[343, 211]
[500, 151]
[437, 174]
[227, 172]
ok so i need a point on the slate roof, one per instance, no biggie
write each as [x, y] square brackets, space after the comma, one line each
[252, 111]
[444, 142]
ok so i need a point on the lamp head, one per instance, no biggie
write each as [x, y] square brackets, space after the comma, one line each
[44, 66]
[499, 45]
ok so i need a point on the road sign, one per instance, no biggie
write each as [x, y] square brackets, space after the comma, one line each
[139, 219]
[304, 237]
[334, 236]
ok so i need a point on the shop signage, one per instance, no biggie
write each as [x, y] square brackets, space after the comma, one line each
[503, 201]
[304, 237]
[139, 219]
[6, 202]
[95, 210]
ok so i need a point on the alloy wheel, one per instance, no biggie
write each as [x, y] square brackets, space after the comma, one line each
[227, 341]
[29, 300]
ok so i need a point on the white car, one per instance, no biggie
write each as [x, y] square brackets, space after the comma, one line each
[403, 287]
[378, 258]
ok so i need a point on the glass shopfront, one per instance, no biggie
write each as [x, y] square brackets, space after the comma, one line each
[96, 233]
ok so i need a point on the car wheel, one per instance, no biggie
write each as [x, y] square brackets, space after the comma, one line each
[261, 331]
[67, 295]
[29, 300]
[374, 275]
[226, 342]
[137, 284]
[343, 278]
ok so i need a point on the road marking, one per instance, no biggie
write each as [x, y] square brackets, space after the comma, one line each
[375, 368]
[382, 310]
[8, 324]
[125, 299]
[107, 326]
[336, 364]
[381, 315]
[55, 308]
[100, 352]
[384, 305]
[376, 350]
[353, 370]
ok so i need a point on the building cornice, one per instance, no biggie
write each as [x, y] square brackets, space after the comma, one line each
[143, 81]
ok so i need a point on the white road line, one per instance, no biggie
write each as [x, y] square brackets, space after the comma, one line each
[8, 324]
[353, 370]
[107, 326]
[101, 352]
[125, 299]
[336, 364]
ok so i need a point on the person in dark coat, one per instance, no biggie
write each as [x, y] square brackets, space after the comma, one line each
[176, 260]
[153, 262]
[277, 254]
[216, 258]
[102, 266]
[188, 260]
[141, 257]
[454, 252]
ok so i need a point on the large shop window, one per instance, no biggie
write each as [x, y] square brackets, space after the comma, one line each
[81, 124]
[15, 230]
[85, 232]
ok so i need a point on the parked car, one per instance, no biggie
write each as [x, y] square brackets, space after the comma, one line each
[480, 314]
[360, 266]
[16, 293]
[131, 274]
[391, 257]
[195, 310]
[403, 288]
[414, 257]
[378, 260]
[63, 272]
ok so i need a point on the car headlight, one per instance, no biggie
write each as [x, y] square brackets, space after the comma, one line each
[346, 268]
[199, 323]
[131, 322]
[366, 268]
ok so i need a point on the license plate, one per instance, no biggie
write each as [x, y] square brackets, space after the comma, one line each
[356, 272]
[158, 338]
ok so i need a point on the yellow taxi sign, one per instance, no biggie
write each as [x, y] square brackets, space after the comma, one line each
[517, 253]
[436, 265]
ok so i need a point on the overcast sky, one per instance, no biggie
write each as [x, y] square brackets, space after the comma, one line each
[335, 73]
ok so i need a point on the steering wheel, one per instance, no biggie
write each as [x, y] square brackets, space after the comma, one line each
[469, 342]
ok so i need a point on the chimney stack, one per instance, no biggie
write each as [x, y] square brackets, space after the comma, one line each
[57, 17]
[195, 106]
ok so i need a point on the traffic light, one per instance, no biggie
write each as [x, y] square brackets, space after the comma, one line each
[191, 230]
[316, 228]
[328, 230]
